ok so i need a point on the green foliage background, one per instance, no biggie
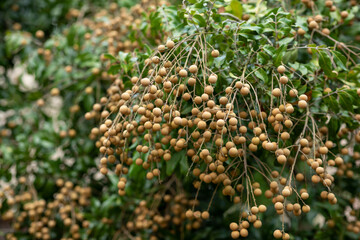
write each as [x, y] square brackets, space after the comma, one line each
[35, 136]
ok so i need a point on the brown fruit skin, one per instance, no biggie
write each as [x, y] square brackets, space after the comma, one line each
[170, 44]
[277, 234]
[215, 53]
[301, 32]
[302, 104]
[281, 69]
[344, 14]
[40, 34]
[326, 31]
[313, 25]
[328, 3]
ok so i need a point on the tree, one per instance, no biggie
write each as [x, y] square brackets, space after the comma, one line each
[242, 112]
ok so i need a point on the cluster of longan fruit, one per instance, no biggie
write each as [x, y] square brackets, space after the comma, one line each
[220, 132]
[317, 21]
[40, 217]
[163, 211]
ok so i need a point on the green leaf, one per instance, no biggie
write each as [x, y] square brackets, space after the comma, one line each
[346, 101]
[236, 8]
[316, 94]
[332, 103]
[325, 62]
[290, 56]
[340, 60]
[110, 57]
[199, 20]
[260, 73]
[174, 161]
[280, 52]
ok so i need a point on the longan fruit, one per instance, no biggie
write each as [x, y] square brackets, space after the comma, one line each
[193, 69]
[170, 44]
[313, 25]
[40, 34]
[328, 3]
[302, 104]
[281, 69]
[244, 232]
[276, 92]
[234, 226]
[257, 224]
[344, 14]
[215, 53]
[284, 79]
[277, 234]
[235, 234]
[54, 92]
[286, 192]
[262, 208]
[205, 215]
[145, 82]
[161, 48]
[325, 31]
[212, 78]
[183, 73]
[301, 32]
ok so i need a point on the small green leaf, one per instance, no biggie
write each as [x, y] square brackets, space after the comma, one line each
[280, 52]
[260, 73]
[346, 101]
[325, 62]
[236, 8]
[174, 161]
[199, 20]
[340, 60]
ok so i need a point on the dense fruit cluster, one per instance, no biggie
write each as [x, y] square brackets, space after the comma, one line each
[41, 218]
[165, 210]
[174, 105]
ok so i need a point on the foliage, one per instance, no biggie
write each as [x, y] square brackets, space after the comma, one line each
[245, 110]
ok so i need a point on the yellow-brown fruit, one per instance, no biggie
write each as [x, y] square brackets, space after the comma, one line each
[301, 32]
[313, 25]
[170, 44]
[215, 53]
[302, 104]
[344, 14]
[55, 92]
[40, 34]
[277, 234]
[281, 69]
